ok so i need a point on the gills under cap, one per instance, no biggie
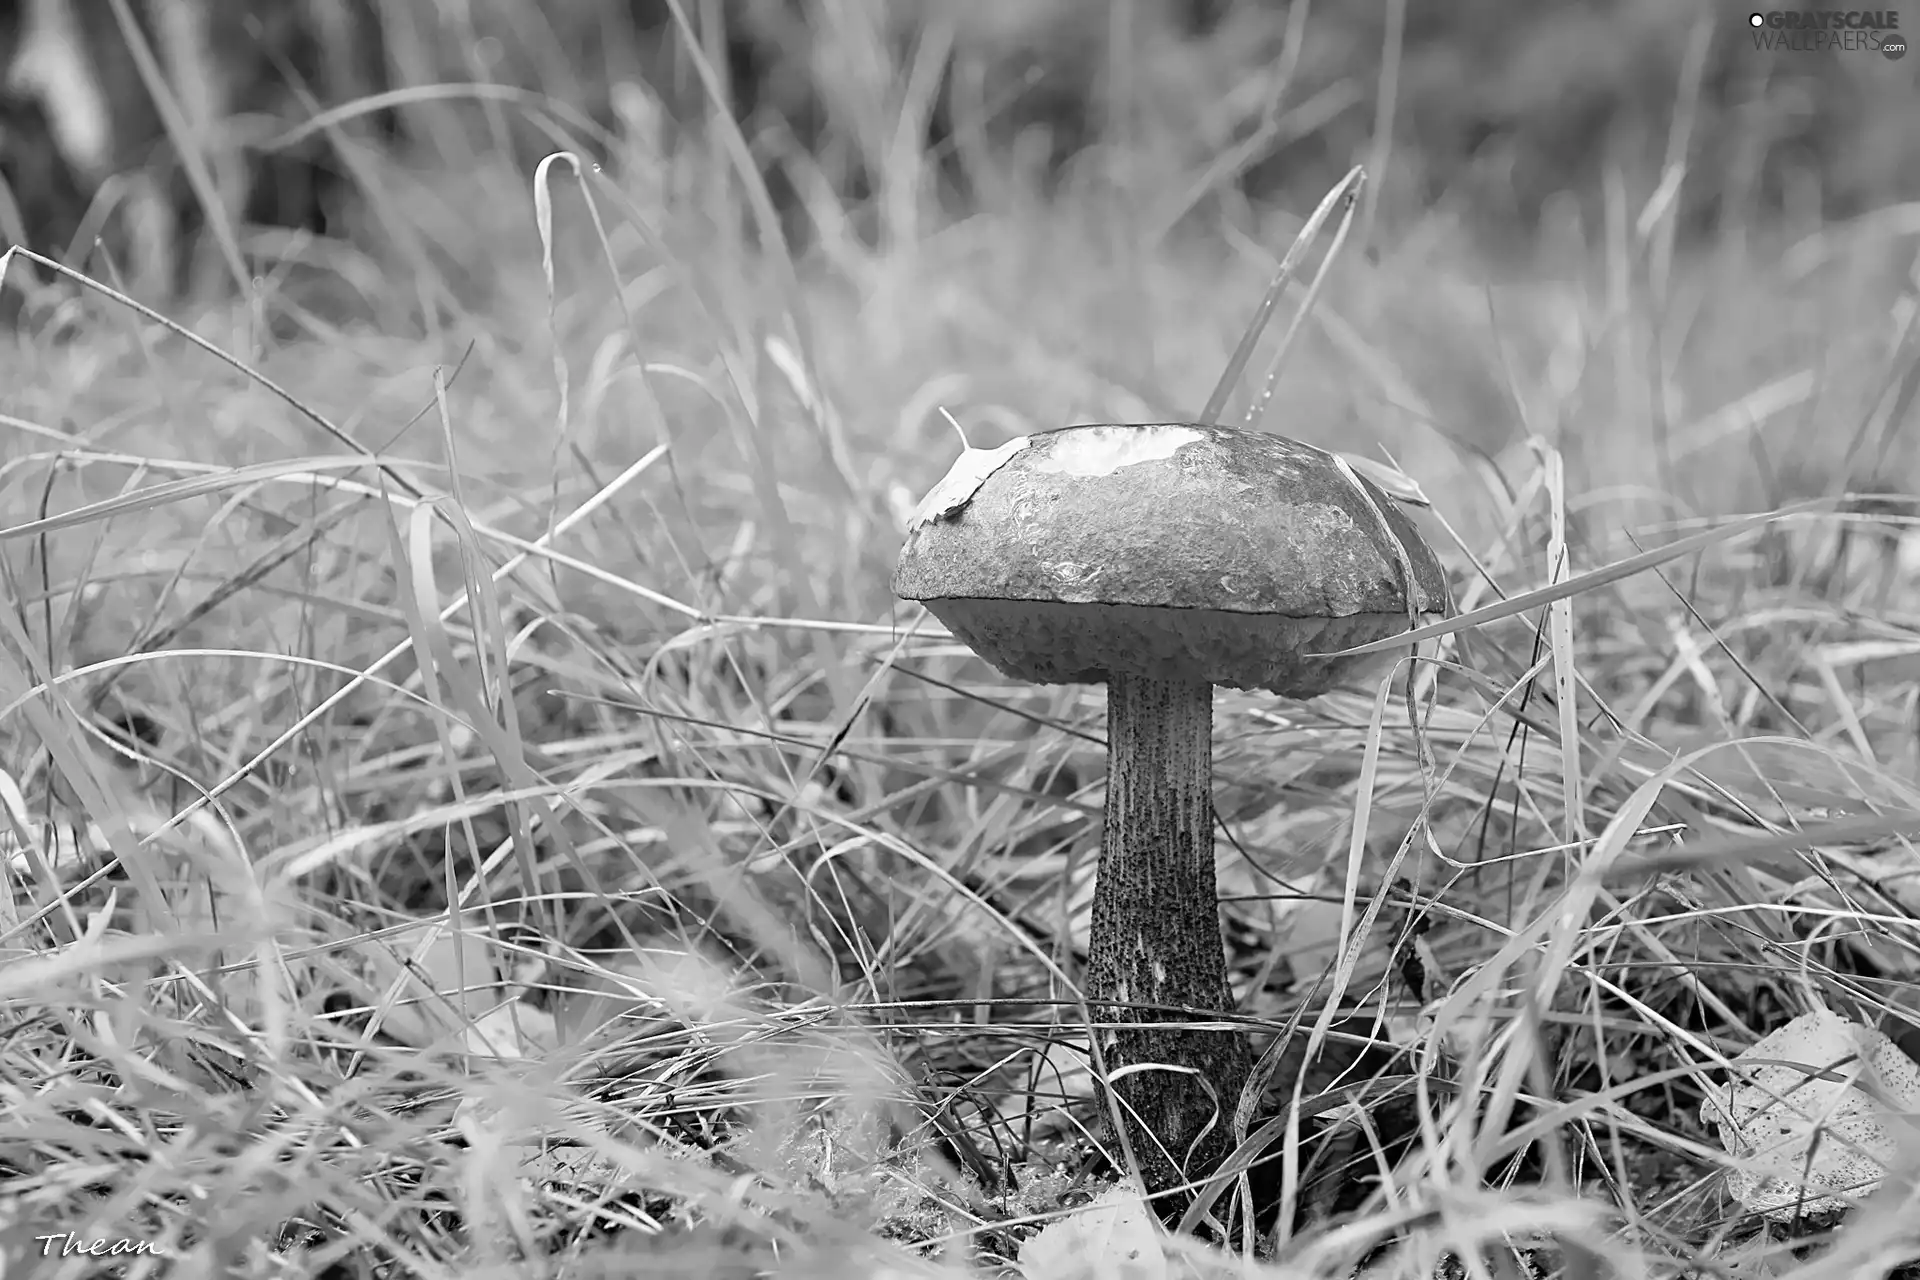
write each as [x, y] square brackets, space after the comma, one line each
[1176, 551]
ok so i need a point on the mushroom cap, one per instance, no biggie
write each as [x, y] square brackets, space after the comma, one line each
[1169, 550]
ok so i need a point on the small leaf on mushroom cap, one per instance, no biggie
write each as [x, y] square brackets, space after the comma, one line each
[962, 480]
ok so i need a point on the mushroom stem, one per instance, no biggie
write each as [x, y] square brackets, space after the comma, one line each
[1156, 932]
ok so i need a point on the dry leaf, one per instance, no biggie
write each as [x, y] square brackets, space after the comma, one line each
[1804, 1116]
[514, 1029]
[449, 985]
[957, 487]
[1114, 1238]
[1042, 1088]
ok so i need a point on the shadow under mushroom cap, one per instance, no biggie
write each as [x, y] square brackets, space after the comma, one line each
[1043, 642]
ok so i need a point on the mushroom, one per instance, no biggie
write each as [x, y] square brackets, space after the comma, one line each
[1161, 560]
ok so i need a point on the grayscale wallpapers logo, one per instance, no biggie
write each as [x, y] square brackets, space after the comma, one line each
[1829, 31]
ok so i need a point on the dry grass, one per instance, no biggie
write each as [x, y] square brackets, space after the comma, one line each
[475, 809]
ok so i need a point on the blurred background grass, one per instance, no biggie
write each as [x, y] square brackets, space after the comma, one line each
[1073, 203]
[1505, 115]
[1610, 224]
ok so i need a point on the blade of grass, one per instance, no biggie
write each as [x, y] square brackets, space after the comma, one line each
[1584, 582]
[1560, 642]
[219, 480]
[1392, 43]
[186, 145]
[1759, 847]
[405, 485]
[1258, 408]
[392, 655]
[1242, 354]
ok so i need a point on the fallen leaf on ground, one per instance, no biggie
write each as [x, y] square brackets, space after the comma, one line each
[1806, 1115]
[1114, 1238]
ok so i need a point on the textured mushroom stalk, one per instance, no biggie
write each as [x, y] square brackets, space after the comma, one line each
[1156, 932]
